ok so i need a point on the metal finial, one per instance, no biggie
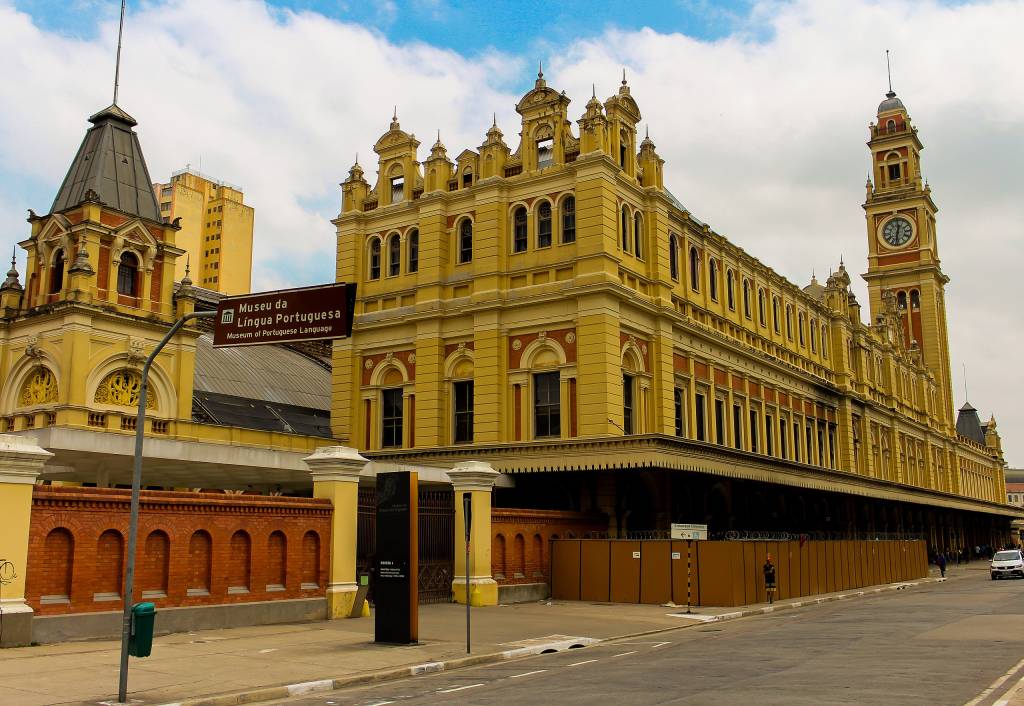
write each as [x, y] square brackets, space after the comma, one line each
[14, 256]
[623, 75]
[494, 120]
[357, 159]
[593, 90]
[888, 69]
[188, 264]
[117, 63]
[394, 114]
[540, 68]
[647, 132]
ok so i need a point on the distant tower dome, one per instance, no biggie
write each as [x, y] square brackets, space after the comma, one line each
[891, 103]
[815, 289]
[968, 424]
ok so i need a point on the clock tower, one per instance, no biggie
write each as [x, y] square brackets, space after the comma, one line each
[903, 253]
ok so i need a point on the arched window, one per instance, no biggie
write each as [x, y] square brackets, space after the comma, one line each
[57, 273]
[310, 576]
[814, 336]
[277, 561]
[200, 561]
[414, 250]
[155, 569]
[775, 314]
[901, 301]
[544, 225]
[625, 229]
[824, 341]
[915, 299]
[375, 258]
[569, 219]
[713, 279]
[746, 298]
[730, 286]
[789, 322]
[107, 580]
[128, 275]
[519, 230]
[800, 327]
[762, 316]
[239, 564]
[467, 178]
[638, 235]
[394, 255]
[466, 241]
[890, 125]
[59, 549]
[673, 256]
[694, 270]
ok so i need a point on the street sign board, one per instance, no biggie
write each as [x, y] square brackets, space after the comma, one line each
[396, 619]
[681, 531]
[286, 315]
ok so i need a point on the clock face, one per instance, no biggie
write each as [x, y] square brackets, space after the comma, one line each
[897, 232]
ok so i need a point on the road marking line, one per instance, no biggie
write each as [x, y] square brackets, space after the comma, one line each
[659, 644]
[586, 661]
[375, 703]
[459, 688]
[995, 685]
[625, 653]
[526, 674]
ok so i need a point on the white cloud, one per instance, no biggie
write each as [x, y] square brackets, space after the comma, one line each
[762, 131]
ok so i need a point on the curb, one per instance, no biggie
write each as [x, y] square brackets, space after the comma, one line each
[363, 678]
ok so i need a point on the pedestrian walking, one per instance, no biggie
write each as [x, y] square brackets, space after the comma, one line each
[769, 578]
[941, 561]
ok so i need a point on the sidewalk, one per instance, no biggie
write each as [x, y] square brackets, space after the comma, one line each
[195, 667]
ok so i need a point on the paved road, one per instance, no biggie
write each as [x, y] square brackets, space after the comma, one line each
[942, 643]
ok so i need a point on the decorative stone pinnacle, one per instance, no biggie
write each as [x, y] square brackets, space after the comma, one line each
[12, 275]
[81, 263]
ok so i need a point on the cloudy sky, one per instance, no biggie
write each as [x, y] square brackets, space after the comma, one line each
[760, 110]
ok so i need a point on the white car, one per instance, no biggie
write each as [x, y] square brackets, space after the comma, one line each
[1007, 563]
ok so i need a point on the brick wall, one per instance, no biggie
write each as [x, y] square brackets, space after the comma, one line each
[194, 548]
[521, 540]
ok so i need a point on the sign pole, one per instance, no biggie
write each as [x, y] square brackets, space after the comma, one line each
[133, 521]
[467, 513]
[689, 573]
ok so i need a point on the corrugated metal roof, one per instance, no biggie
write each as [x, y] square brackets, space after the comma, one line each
[270, 373]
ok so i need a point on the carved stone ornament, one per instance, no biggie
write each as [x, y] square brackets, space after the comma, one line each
[643, 348]
[412, 359]
[462, 348]
[368, 364]
[570, 338]
[516, 344]
[542, 335]
[122, 388]
[39, 388]
[135, 354]
[389, 357]
[32, 350]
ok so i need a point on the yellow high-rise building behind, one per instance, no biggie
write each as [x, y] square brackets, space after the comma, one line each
[216, 229]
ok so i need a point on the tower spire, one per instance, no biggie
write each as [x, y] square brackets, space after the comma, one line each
[540, 68]
[888, 71]
[117, 63]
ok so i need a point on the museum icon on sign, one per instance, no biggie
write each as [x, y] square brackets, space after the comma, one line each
[227, 316]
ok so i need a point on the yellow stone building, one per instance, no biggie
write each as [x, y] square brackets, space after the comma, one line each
[215, 230]
[552, 309]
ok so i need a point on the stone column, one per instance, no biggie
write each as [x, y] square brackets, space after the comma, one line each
[335, 471]
[478, 479]
[21, 461]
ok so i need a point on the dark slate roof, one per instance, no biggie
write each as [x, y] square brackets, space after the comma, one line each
[968, 424]
[891, 102]
[215, 408]
[110, 163]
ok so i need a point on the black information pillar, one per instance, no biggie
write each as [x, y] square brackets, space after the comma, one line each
[396, 592]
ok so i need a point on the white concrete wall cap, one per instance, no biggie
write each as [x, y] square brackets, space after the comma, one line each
[473, 475]
[335, 463]
[21, 458]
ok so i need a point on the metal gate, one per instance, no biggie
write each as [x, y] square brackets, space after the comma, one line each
[436, 542]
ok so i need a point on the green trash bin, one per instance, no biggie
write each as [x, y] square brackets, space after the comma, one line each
[140, 639]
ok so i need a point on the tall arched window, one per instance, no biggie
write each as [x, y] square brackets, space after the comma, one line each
[915, 299]
[519, 230]
[625, 229]
[673, 256]
[713, 278]
[730, 285]
[638, 235]
[57, 273]
[544, 225]
[569, 219]
[762, 315]
[394, 255]
[746, 298]
[901, 301]
[375, 258]
[414, 250]
[775, 314]
[814, 336]
[466, 241]
[128, 275]
[824, 341]
[694, 270]
[789, 322]
[800, 326]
